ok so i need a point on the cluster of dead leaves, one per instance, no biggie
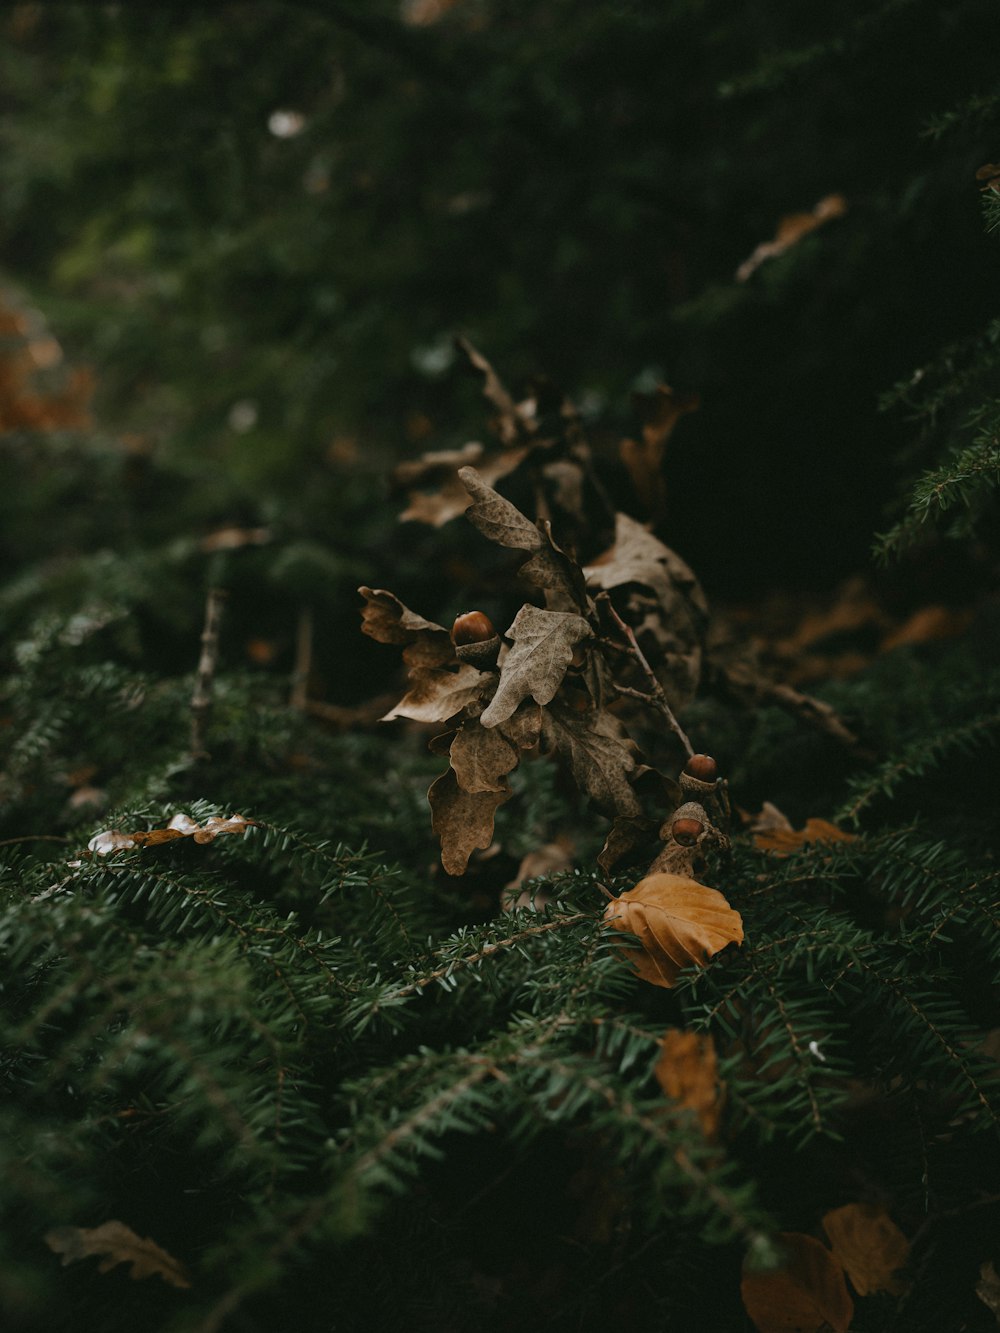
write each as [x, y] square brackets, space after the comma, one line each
[809, 1292]
[555, 679]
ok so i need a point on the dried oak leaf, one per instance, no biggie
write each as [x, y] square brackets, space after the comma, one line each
[117, 1244]
[669, 619]
[462, 820]
[543, 644]
[524, 726]
[481, 758]
[688, 1072]
[511, 423]
[869, 1245]
[773, 835]
[438, 693]
[808, 1294]
[988, 176]
[988, 1288]
[599, 756]
[678, 922]
[627, 832]
[385, 618]
[549, 567]
[435, 493]
[790, 231]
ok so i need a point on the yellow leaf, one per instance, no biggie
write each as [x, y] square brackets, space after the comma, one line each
[869, 1245]
[784, 841]
[808, 1294]
[678, 922]
[687, 1071]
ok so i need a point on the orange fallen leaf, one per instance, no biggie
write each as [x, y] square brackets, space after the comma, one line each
[687, 1071]
[808, 1294]
[771, 836]
[180, 826]
[678, 922]
[866, 1240]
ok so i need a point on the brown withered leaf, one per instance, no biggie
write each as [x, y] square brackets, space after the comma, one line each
[771, 836]
[524, 726]
[511, 424]
[232, 539]
[116, 1243]
[548, 859]
[869, 1245]
[543, 644]
[557, 573]
[808, 1294]
[438, 693]
[678, 922]
[988, 176]
[462, 820]
[688, 1072]
[180, 826]
[639, 557]
[435, 493]
[599, 755]
[481, 758]
[790, 231]
[385, 618]
[626, 834]
[659, 413]
[496, 518]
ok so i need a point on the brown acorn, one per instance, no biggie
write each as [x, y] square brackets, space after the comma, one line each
[687, 831]
[703, 767]
[475, 640]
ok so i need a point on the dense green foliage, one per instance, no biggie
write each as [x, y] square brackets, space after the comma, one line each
[345, 1089]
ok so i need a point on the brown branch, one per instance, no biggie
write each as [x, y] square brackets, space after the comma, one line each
[656, 697]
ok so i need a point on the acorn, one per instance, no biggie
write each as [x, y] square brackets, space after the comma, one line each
[687, 831]
[475, 640]
[702, 767]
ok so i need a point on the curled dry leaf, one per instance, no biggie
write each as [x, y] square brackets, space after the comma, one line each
[543, 644]
[808, 1294]
[782, 841]
[462, 820]
[869, 1245]
[659, 413]
[481, 758]
[435, 493]
[600, 757]
[688, 1073]
[511, 423]
[117, 1244]
[437, 693]
[790, 231]
[988, 1288]
[385, 618]
[678, 923]
[180, 826]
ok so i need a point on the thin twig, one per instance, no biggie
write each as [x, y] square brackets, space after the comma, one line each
[657, 698]
[201, 698]
[34, 837]
[299, 697]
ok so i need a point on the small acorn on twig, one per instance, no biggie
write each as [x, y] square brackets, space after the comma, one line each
[475, 640]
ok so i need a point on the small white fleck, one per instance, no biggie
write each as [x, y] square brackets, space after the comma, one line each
[815, 1050]
[286, 124]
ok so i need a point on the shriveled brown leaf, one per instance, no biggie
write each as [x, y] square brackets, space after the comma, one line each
[784, 841]
[790, 231]
[988, 176]
[496, 518]
[385, 618]
[511, 424]
[688, 1072]
[678, 922]
[524, 726]
[232, 539]
[807, 1295]
[639, 557]
[548, 859]
[599, 755]
[462, 820]
[116, 1243]
[626, 834]
[435, 494]
[551, 569]
[180, 826]
[481, 758]
[659, 413]
[437, 693]
[543, 644]
[869, 1245]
